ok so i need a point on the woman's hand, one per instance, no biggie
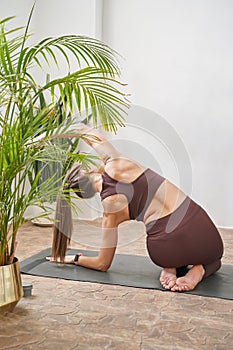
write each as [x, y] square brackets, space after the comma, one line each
[69, 259]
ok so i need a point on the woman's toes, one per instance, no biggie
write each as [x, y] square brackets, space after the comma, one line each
[168, 278]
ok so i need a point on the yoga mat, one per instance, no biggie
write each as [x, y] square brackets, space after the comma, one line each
[126, 270]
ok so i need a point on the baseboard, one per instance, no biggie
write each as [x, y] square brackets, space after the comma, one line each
[225, 228]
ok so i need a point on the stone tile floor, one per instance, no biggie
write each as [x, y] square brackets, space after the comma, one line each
[69, 315]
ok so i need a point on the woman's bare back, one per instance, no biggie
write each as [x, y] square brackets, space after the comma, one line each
[167, 198]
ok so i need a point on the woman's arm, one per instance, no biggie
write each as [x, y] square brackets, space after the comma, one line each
[103, 261]
[115, 211]
[89, 134]
[93, 138]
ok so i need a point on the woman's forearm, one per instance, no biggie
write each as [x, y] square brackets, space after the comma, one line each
[91, 262]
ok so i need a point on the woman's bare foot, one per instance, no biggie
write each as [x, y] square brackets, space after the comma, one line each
[190, 280]
[168, 278]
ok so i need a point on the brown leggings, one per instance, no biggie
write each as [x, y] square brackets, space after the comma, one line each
[186, 237]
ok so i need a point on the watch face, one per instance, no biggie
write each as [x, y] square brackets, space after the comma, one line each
[76, 257]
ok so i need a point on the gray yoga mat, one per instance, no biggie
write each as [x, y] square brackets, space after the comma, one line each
[126, 270]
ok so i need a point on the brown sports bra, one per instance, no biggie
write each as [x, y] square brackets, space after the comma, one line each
[139, 192]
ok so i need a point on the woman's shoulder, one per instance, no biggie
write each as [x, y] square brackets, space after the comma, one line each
[122, 168]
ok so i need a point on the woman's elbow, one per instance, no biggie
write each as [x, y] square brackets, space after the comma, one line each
[103, 267]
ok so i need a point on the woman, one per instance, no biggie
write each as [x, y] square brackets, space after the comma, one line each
[179, 231]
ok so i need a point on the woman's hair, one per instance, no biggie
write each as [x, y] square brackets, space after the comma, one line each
[80, 183]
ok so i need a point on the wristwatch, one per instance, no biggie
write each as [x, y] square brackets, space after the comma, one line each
[77, 257]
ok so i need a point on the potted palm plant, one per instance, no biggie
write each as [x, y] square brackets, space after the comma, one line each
[27, 110]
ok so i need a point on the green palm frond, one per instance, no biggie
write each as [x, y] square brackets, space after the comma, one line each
[87, 51]
[92, 91]
[97, 64]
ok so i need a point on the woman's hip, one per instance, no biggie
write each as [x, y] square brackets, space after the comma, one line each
[187, 236]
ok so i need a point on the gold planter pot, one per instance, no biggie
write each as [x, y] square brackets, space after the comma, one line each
[11, 290]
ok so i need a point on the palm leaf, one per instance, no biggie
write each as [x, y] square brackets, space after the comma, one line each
[91, 89]
[91, 51]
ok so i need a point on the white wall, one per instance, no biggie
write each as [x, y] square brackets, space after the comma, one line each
[54, 17]
[178, 63]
